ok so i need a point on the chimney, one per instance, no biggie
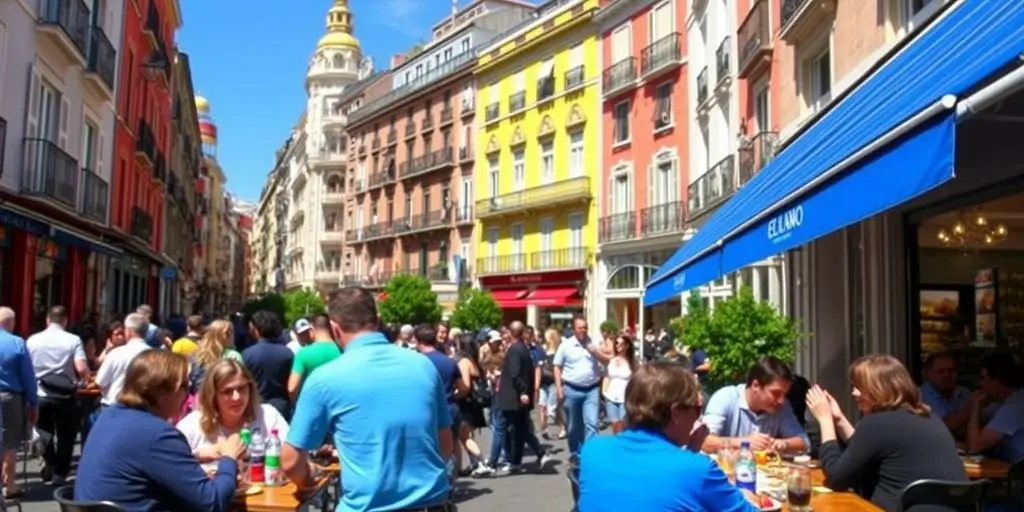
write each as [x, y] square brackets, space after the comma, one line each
[397, 60]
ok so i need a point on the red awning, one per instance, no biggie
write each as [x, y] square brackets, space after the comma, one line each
[554, 296]
[510, 299]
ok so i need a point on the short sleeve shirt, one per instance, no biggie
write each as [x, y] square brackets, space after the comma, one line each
[313, 356]
[941, 406]
[728, 415]
[1009, 421]
[579, 367]
[267, 419]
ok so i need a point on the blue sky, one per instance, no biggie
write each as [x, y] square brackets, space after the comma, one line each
[249, 59]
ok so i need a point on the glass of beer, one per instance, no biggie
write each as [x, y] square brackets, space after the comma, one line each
[798, 489]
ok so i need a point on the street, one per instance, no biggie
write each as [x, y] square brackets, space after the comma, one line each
[528, 491]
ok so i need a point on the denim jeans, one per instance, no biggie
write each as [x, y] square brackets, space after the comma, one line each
[614, 411]
[581, 411]
[499, 437]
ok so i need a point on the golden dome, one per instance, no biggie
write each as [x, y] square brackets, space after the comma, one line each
[202, 105]
[339, 28]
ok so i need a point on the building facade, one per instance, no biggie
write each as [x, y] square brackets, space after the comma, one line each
[141, 149]
[538, 165]
[414, 149]
[180, 236]
[267, 239]
[212, 222]
[645, 161]
[57, 126]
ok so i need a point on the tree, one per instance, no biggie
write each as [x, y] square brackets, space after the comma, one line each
[273, 302]
[739, 332]
[475, 310]
[302, 303]
[409, 300]
[610, 325]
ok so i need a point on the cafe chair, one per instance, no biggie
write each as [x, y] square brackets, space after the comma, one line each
[65, 497]
[958, 496]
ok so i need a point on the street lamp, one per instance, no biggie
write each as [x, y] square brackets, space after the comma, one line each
[156, 64]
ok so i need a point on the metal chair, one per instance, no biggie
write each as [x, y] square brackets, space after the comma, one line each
[65, 497]
[959, 496]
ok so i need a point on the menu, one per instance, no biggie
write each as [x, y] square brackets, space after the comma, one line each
[1011, 309]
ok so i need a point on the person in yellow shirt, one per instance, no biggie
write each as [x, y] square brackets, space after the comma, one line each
[190, 342]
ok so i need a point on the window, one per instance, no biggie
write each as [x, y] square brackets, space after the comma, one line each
[918, 11]
[447, 54]
[419, 70]
[466, 198]
[492, 244]
[665, 182]
[518, 258]
[621, 47]
[547, 162]
[761, 112]
[425, 207]
[661, 21]
[408, 206]
[621, 196]
[88, 159]
[576, 239]
[518, 170]
[820, 85]
[547, 246]
[663, 106]
[495, 176]
[464, 45]
[621, 129]
[576, 154]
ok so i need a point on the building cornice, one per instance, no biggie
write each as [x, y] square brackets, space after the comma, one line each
[618, 11]
[566, 16]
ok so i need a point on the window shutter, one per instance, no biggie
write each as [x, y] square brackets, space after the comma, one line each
[65, 118]
[663, 20]
[620, 44]
[576, 56]
[32, 114]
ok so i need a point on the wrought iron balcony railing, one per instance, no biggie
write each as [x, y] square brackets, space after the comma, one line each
[141, 224]
[723, 56]
[753, 38]
[619, 75]
[713, 187]
[559, 192]
[50, 172]
[702, 86]
[574, 77]
[410, 128]
[661, 54]
[463, 213]
[617, 227]
[423, 222]
[70, 18]
[422, 164]
[102, 59]
[755, 153]
[539, 261]
[145, 142]
[95, 194]
[663, 219]
[447, 115]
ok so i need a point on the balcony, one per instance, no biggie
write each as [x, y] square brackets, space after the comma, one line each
[713, 187]
[617, 227]
[378, 280]
[100, 65]
[141, 225]
[145, 143]
[329, 274]
[447, 116]
[573, 190]
[619, 76]
[491, 112]
[50, 173]
[410, 128]
[334, 197]
[540, 261]
[663, 219]
[375, 145]
[427, 124]
[465, 154]
[466, 107]
[392, 137]
[702, 86]
[332, 236]
[463, 213]
[439, 273]
[723, 57]
[159, 166]
[423, 222]
[376, 231]
[664, 54]
[153, 25]
[755, 153]
[423, 164]
[545, 88]
[574, 77]
[380, 179]
[754, 41]
[517, 102]
[65, 24]
[359, 184]
[804, 18]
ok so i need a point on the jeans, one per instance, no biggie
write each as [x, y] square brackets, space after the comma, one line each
[520, 427]
[614, 411]
[58, 418]
[499, 438]
[581, 411]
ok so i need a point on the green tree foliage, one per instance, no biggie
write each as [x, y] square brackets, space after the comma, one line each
[611, 326]
[302, 303]
[273, 302]
[409, 300]
[476, 309]
[739, 332]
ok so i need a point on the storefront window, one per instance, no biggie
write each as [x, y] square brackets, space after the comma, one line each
[49, 281]
[625, 278]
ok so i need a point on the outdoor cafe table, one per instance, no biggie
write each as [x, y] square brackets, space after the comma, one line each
[835, 501]
[992, 469]
[282, 498]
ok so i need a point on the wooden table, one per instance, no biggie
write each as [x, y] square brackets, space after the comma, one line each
[835, 501]
[280, 499]
[992, 469]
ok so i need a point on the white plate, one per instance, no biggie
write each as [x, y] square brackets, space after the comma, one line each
[776, 506]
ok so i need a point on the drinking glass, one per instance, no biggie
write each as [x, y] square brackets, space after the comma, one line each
[798, 489]
[727, 461]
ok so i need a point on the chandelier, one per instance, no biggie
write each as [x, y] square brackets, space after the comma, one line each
[972, 232]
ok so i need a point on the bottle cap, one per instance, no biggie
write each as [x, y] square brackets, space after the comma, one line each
[744, 444]
[802, 459]
[273, 432]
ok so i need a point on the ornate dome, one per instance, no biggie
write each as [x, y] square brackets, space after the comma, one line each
[339, 28]
[202, 105]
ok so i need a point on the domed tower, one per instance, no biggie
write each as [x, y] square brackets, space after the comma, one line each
[207, 128]
[338, 54]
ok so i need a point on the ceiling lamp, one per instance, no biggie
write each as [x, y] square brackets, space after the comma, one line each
[972, 232]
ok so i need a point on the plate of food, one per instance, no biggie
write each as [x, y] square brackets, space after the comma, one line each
[768, 504]
[248, 490]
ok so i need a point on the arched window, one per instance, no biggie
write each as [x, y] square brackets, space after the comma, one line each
[338, 61]
[630, 277]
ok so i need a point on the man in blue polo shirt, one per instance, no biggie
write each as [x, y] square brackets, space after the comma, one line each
[387, 411]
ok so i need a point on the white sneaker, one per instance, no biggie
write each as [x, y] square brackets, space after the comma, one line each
[483, 470]
[543, 462]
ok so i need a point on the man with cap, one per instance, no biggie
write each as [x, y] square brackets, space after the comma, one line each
[309, 357]
[405, 337]
[302, 334]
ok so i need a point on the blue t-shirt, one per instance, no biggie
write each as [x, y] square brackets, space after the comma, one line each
[643, 470]
[449, 371]
[271, 365]
[392, 457]
[151, 337]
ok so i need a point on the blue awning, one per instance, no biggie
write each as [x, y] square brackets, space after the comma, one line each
[889, 140]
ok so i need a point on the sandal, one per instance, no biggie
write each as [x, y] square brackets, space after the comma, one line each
[14, 494]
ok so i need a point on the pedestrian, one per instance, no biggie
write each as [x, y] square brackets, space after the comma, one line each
[516, 393]
[578, 375]
[269, 361]
[19, 400]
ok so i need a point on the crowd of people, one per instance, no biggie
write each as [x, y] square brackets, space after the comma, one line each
[400, 407]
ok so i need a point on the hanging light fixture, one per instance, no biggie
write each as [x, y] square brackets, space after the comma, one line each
[972, 232]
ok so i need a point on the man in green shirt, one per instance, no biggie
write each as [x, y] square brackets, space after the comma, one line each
[309, 358]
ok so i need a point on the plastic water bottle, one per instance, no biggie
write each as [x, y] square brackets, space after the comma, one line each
[746, 468]
[273, 460]
[257, 453]
[246, 436]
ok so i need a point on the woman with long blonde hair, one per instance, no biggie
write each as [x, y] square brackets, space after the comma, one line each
[896, 442]
[227, 402]
[218, 342]
[547, 400]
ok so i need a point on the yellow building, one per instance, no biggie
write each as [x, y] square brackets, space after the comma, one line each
[537, 170]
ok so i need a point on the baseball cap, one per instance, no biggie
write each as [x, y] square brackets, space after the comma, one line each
[406, 329]
[302, 325]
[494, 336]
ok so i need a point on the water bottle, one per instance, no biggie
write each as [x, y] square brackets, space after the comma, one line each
[746, 468]
[273, 459]
[243, 469]
[257, 452]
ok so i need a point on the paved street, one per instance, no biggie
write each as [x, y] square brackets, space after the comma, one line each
[528, 491]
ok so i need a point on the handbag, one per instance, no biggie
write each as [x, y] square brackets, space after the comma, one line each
[481, 394]
[58, 386]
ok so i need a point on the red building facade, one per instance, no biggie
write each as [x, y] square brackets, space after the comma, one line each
[141, 148]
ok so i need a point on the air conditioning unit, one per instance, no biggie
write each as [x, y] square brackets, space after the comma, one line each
[664, 119]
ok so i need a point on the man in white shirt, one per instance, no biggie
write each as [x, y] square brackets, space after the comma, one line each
[59, 362]
[111, 374]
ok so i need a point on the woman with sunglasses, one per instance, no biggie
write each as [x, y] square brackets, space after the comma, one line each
[620, 369]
